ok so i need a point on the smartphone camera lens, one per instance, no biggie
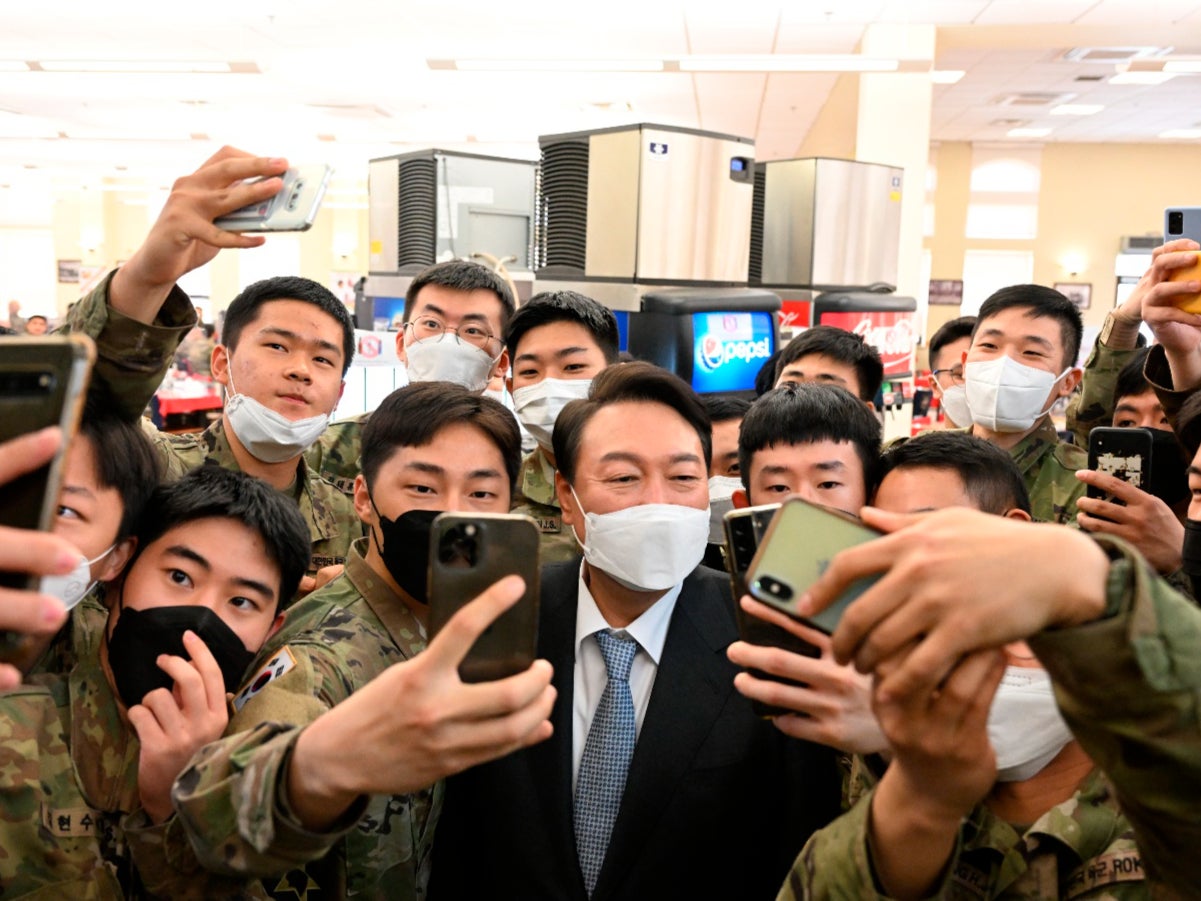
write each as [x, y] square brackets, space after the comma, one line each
[458, 548]
[1176, 222]
[774, 588]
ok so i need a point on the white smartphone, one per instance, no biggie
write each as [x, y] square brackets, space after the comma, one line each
[293, 209]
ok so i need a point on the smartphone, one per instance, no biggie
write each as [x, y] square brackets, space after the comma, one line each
[797, 549]
[745, 529]
[43, 382]
[1124, 453]
[1185, 222]
[468, 553]
[293, 209]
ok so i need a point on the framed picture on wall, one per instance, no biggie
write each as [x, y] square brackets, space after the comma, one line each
[946, 292]
[1079, 293]
[68, 271]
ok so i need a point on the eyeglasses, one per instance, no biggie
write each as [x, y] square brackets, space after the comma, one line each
[473, 333]
[955, 372]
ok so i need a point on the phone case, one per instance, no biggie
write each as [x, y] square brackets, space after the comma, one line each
[470, 552]
[293, 209]
[1185, 222]
[796, 550]
[1124, 453]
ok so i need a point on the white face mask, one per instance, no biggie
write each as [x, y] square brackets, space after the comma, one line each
[721, 502]
[650, 547]
[953, 402]
[270, 436]
[1004, 395]
[75, 585]
[538, 406]
[444, 358]
[1024, 725]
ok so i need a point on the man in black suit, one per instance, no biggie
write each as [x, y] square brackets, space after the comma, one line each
[659, 780]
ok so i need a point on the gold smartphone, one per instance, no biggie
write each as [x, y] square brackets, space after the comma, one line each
[797, 549]
[470, 552]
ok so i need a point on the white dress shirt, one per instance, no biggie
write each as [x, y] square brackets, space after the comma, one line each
[591, 676]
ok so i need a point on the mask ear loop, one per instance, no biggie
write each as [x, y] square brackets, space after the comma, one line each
[1054, 402]
[374, 537]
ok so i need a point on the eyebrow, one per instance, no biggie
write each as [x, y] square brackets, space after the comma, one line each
[438, 311]
[78, 489]
[484, 474]
[187, 553]
[626, 456]
[432, 469]
[1194, 471]
[829, 466]
[997, 333]
[293, 336]
[560, 354]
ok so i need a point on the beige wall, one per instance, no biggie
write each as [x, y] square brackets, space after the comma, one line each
[1091, 195]
[833, 131]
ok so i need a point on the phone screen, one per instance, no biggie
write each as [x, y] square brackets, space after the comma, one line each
[1122, 453]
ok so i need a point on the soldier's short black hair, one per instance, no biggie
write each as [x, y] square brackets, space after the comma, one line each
[989, 475]
[212, 492]
[843, 346]
[765, 378]
[806, 414]
[124, 460]
[413, 415]
[565, 306]
[1131, 380]
[724, 407]
[37, 316]
[1040, 302]
[245, 308]
[462, 275]
[637, 382]
[948, 333]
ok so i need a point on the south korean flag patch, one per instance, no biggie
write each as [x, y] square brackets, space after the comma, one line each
[281, 663]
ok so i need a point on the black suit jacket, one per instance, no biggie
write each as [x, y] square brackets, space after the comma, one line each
[717, 802]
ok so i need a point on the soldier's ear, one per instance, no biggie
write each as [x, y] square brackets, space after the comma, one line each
[362, 502]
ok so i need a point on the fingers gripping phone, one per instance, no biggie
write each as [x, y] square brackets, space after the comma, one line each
[745, 529]
[1122, 453]
[43, 382]
[293, 209]
[469, 552]
[797, 549]
[1185, 222]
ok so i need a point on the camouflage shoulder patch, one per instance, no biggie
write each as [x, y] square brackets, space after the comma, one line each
[283, 661]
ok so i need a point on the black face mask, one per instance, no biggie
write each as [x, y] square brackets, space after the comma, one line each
[1169, 468]
[406, 549]
[140, 636]
[1191, 553]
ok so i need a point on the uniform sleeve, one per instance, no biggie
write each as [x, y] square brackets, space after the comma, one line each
[1159, 374]
[1129, 686]
[131, 357]
[335, 456]
[229, 803]
[836, 862]
[1093, 406]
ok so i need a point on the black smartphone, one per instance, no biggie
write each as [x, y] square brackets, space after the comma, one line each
[797, 549]
[745, 529]
[1123, 453]
[470, 552]
[43, 382]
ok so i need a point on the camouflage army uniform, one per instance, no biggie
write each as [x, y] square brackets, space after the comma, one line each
[1049, 466]
[1128, 685]
[1094, 404]
[131, 360]
[224, 796]
[535, 498]
[70, 819]
[335, 456]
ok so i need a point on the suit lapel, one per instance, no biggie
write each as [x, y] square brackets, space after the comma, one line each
[691, 687]
[550, 761]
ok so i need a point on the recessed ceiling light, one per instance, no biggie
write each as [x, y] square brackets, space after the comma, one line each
[155, 66]
[946, 76]
[550, 65]
[1142, 77]
[13, 65]
[773, 62]
[1028, 132]
[1187, 66]
[1076, 109]
[1185, 133]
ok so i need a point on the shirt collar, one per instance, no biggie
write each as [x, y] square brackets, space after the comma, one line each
[649, 630]
[389, 608]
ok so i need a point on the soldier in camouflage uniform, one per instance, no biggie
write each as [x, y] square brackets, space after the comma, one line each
[455, 313]
[558, 342]
[1118, 644]
[85, 810]
[426, 443]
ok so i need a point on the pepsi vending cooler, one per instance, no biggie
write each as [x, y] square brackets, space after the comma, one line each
[716, 339]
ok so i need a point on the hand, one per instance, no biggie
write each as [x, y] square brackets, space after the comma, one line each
[943, 765]
[418, 722]
[324, 576]
[1130, 311]
[834, 705]
[184, 237]
[956, 581]
[174, 725]
[1179, 332]
[30, 552]
[1146, 521]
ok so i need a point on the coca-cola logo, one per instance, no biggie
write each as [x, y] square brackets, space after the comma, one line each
[891, 339]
